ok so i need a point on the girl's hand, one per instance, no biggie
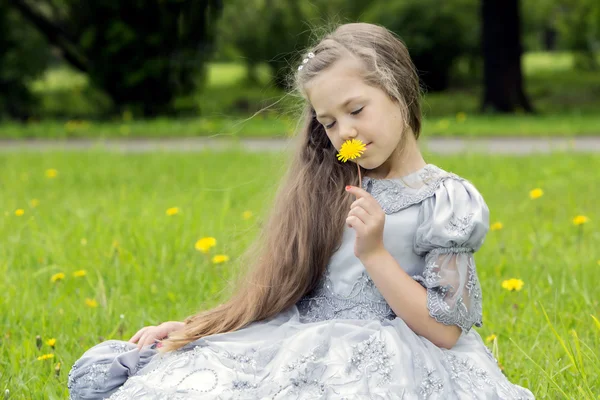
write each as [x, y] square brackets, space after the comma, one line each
[150, 334]
[367, 218]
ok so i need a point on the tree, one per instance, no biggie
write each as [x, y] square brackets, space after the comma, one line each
[501, 44]
[141, 53]
[24, 55]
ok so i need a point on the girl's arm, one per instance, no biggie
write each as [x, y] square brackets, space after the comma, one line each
[408, 299]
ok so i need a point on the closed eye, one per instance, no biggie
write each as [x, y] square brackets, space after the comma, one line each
[357, 111]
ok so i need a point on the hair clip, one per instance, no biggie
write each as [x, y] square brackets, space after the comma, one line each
[309, 55]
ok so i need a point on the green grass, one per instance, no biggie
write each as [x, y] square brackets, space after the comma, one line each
[568, 102]
[105, 213]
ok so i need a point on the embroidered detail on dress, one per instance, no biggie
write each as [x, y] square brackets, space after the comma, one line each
[120, 347]
[460, 227]
[316, 353]
[430, 378]
[394, 196]
[439, 294]
[371, 356]
[364, 301]
[94, 376]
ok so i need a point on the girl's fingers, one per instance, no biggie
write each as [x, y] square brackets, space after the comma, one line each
[353, 221]
[144, 339]
[138, 335]
[360, 213]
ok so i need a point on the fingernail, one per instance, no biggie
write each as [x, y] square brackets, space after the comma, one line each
[348, 187]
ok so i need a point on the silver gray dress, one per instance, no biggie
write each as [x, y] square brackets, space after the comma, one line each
[341, 341]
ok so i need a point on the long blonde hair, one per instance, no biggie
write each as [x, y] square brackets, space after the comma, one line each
[306, 223]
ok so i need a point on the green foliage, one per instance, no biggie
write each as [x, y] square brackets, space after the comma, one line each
[24, 56]
[143, 54]
[436, 33]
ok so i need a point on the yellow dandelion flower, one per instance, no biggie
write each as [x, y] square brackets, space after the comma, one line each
[91, 303]
[461, 117]
[580, 220]
[172, 211]
[19, 212]
[491, 338]
[220, 258]
[247, 214]
[51, 342]
[350, 150]
[205, 244]
[80, 273]
[45, 357]
[34, 203]
[58, 277]
[513, 284]
[496, 226]
[51, 173]
[536, 193]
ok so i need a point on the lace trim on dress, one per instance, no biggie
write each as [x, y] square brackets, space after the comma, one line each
[394, 196]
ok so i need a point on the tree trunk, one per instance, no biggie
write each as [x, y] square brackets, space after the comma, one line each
[501, 44]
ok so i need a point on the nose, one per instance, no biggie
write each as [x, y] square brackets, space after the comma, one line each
[347, 132]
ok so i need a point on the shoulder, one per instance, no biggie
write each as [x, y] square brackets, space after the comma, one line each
[455, 213]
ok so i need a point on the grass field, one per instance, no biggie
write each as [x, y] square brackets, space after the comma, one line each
[106, 215]
[568, 102]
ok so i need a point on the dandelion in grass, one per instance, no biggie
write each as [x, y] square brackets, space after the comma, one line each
[220, 258]
[491, 338]
[34, 203]
[350, 150]
[51, 342]
[45, 357]
[57, 369]
[80, 273]
[536, 193]
[496, 226]
[91, 303]
[51, 173]
[247, 215]
[172, 211]
[205, 244]
[57, 277]
[513, 284]
[19, 212]
[580, 220]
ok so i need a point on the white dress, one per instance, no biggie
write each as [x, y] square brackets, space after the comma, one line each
[342, 341]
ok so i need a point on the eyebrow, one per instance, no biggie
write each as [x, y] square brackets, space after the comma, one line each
[350, 100]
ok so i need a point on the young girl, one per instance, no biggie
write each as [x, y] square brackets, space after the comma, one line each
[357, 292]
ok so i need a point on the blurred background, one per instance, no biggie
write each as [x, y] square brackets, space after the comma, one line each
[196, 68]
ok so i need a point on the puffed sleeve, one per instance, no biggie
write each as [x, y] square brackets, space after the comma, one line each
[105, 367]
[452, 226]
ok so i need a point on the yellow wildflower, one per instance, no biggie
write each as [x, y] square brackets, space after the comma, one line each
[220, 258]
[461, 117]
[19, 212]
[205, 244]
[45, 357]
[172, 211]
[580, 220]
[34, 203]
[91, 303]
[247, 214]
[58, 277]
[496, 226]
[513, 284]
[491, 338]
[51, 342]
[350, 150]
[51, 173]
[80, 273]
[536, 193]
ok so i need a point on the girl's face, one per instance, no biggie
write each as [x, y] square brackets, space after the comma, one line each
[348, 108]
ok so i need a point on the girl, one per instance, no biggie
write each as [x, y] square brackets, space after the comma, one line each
[357, 292]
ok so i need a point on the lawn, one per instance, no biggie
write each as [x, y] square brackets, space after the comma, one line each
[101, 220]
[567, 102]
